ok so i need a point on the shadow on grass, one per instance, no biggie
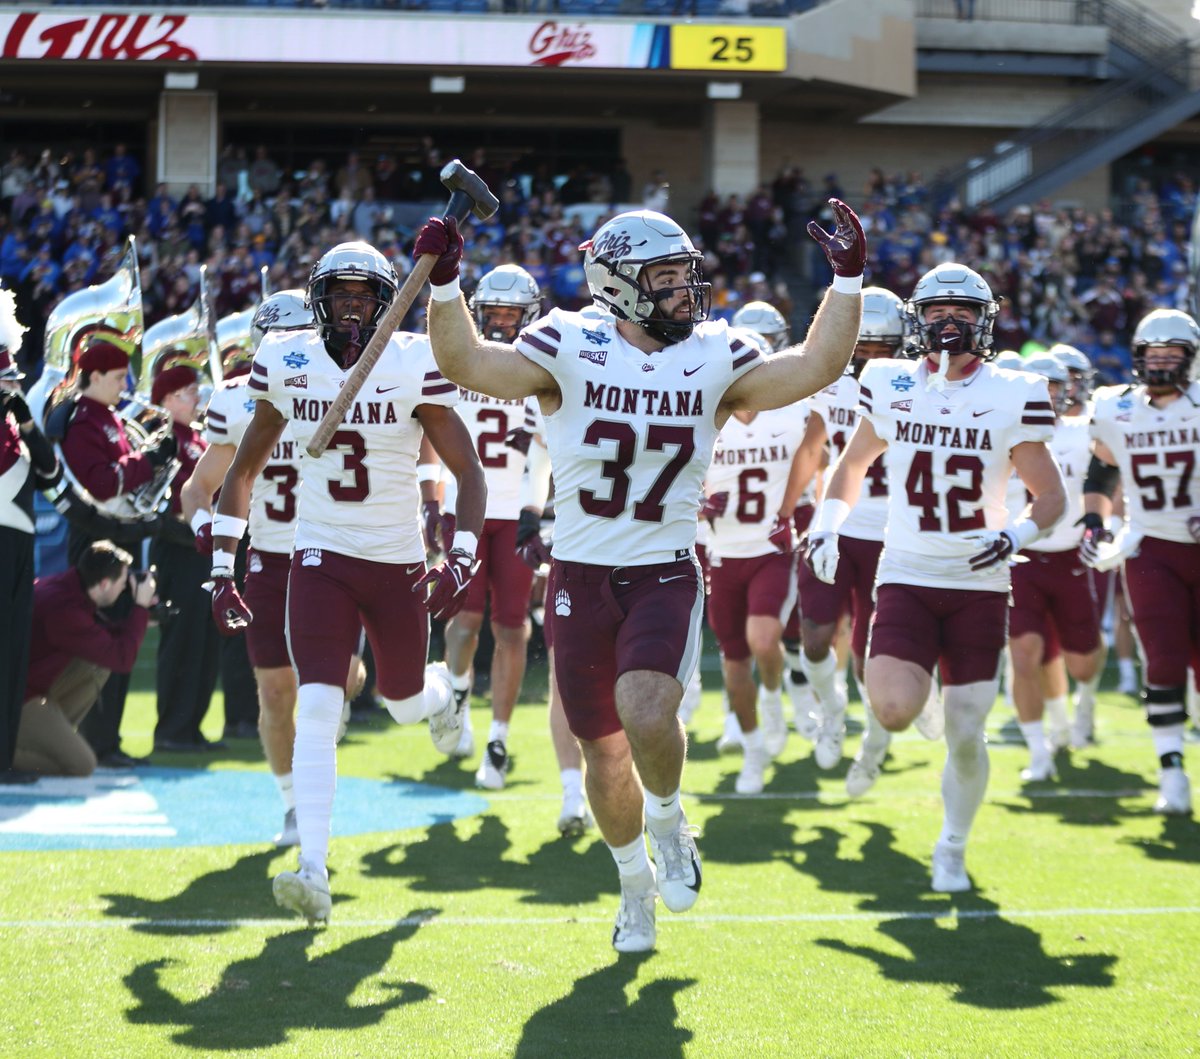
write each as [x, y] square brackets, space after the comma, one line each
[1179, 841]
[209, 903]
[597, 1012]
[259, 1001]
[960, 941]
[1061, 800]
[441, 861]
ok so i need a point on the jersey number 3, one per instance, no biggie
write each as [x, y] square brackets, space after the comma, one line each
[659, 437]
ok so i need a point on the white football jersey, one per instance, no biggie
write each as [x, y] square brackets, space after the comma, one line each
[274, 496]
[489, 419]
[837, 405]
[1071, 448]
[1157, 450]
[633, 438]
[751, 462]
[360, 496]
[949, 465]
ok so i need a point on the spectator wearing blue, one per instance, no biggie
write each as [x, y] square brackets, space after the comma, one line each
[122, 170]
[1111, 359]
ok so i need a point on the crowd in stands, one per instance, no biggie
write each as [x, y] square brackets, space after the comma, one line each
[1065, 274]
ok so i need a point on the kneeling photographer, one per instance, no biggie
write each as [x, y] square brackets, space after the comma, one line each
[74, 648]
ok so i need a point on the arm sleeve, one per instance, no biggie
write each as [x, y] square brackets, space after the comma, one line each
[535, 484]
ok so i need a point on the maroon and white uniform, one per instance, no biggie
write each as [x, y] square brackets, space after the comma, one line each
[272, 519]
[861, 536]
[1055, 587]
[948, 470]
[1157, 450]
[748, 575]
[630, 445]
[358, 547]
[99, 456]
[502, 573]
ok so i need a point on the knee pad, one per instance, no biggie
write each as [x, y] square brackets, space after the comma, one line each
[407, 711]
[1165, 706]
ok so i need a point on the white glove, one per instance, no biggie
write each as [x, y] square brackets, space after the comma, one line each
[821, 554]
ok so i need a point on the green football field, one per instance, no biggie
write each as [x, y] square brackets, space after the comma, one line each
[488, 935]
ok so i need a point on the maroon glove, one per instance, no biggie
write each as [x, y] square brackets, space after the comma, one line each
[448, 582]
[203, 540]
[782, 535]
[518, 438]
[441, 237]
[431, 517]
[229, 609]
[449, 524]
[1095, 533]
[530, 546]
[845, 246]
[999, 548]
[714, 506]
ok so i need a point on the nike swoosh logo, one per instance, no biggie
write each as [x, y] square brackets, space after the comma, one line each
[386, 389]
[673, 577]
[692, 371]
[976, 415]
[410, 570]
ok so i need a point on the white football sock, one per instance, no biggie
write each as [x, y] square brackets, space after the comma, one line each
[314, 767]
[965, 777]
[822, 676]
[287, 790]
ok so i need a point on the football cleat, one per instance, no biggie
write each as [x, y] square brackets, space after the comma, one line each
[678, 865]
[804, 708]
[775, 731]
[635, 929]
[493, 768]
[289, 836]
[949, 868]
[1083, 727]
[931, 721]
[445, 726]
[730, 741]
[754, 764]
[1174, 793]
[575, 817]
[864, 770]
[466, 740]
[827, 749]
[305, 891]
[1040, 770]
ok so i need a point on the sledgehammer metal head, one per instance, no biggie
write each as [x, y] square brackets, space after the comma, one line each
[468, 193]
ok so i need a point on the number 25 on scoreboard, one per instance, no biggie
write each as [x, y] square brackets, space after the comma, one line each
[728, 48]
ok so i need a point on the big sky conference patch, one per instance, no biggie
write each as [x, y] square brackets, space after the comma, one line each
[163, 807]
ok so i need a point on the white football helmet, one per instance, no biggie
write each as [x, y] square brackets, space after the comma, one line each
[952, 284]
[764, 319]
[285, 310]
[882, 322]
[1165, 327]
[1079, 368]
[1009, 358]
[351, 261]
[1055, 371]
[509, 286]
[613, 261]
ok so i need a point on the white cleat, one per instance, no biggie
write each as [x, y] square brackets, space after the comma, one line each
[1128, 687]
[931, 721]
[466, 740]
[575, 817]
[289, 836]
[750, 779]
[731, 738]
[305, 891]
[691, 698]
[635, 929]
[677, 864]
[493, 768]
[827, 750]
[1040, 770]
[950, 869]
[775, 731]
[445, 726]
[805, 717]
[864, 770]
[1174, 793]
[1059, 738]
[1083, 727]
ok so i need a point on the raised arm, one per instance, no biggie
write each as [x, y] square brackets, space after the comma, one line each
[802, 370]
[494, 368]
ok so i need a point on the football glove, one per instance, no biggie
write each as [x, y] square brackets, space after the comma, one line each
[519, 438]
[441, 237]
[714, 506]
[845, 246]
[999, 546]
[447, 583]
[782, 535]
[1095, 535]
[203, 539]
[530, 546]
[821, 554]
[229, 609]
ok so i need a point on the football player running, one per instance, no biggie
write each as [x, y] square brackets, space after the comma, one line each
[272, 525]
[952, 427]
[359, 555]
[1054, 587]
[634, 392]
[1147, 436]
[835, 411]
[751, 569]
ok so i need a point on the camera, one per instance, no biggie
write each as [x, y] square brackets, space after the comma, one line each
[161, 611]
